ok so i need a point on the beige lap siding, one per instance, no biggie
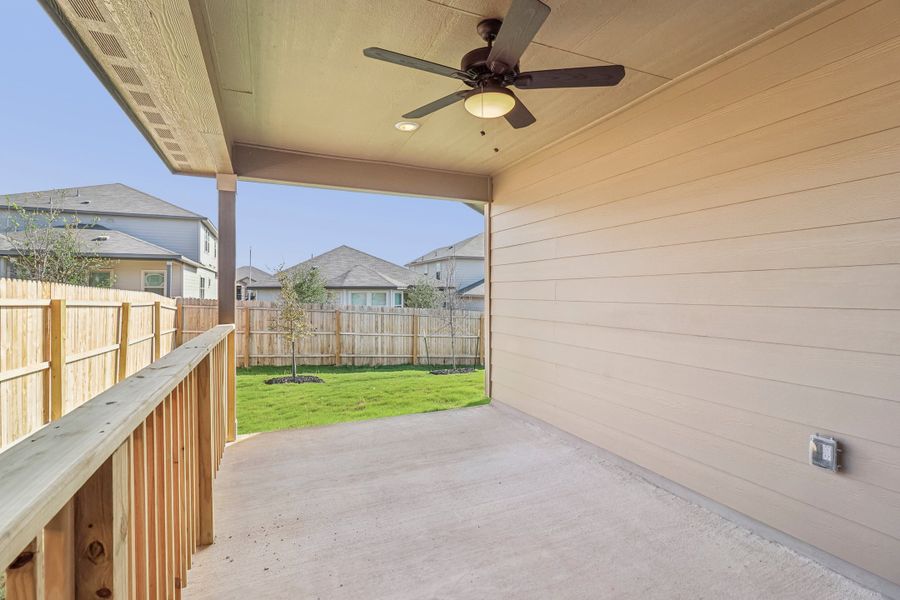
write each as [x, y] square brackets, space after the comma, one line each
[701, 281]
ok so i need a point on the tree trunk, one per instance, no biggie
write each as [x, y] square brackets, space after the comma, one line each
[294, 359]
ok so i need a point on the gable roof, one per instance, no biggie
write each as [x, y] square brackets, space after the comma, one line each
[346, 267]
[106, 243]
[260, 278]
[471, 247]
[107, 199]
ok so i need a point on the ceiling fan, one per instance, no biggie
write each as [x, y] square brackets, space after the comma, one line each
[489, 71]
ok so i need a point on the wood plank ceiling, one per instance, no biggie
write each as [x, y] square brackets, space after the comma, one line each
[290, 74]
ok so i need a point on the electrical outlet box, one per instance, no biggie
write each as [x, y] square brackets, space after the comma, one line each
[824, 452]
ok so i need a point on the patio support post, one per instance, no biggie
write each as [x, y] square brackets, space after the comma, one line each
[227, 186]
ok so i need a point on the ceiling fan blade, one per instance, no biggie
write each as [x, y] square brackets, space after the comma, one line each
[571, 78]
[519, 116]
[414, 63]
[519, 27]
[436, 105]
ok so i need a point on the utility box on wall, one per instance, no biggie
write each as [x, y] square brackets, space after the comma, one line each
[824, 452]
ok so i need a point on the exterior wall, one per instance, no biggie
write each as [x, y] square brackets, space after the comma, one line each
[472, 303]
[468, 270]
[192, 283]
[128, 274]
[268, 294]
[703, 280]
[343, 296]
[210, 257]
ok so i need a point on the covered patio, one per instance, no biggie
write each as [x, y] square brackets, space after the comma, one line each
[480, 502]
[696, 270]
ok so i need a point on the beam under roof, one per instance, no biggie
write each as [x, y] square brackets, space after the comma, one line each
[282, 166]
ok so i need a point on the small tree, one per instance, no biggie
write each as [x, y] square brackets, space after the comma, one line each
[422, 294]
[309, 285]
[49, 247]
[292, 317]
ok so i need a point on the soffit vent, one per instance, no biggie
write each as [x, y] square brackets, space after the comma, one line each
[173, 146]
[179, 158]
[143, 99]
[165, 133]
[86, 9]
[109, 45]
[184, 166]
[127, 75]
[154, 117]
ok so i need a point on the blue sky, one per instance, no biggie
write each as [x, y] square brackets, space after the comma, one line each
[59, 128]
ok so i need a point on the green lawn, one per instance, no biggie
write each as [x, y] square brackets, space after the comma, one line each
[348, 394]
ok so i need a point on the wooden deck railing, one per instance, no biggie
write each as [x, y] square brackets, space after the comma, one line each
[112, 500]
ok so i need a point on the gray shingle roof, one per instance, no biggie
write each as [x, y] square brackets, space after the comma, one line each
[473, 289]
[261, 279]
[345, 267]
[471, 247]
[104, 242]
[109, 198]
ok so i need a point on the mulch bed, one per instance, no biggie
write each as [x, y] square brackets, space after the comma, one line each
[452, 371]
[297, 379]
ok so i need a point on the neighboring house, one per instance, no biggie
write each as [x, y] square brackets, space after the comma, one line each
[255, 284]
[156, 245]
[354, 277]
[460, 266]
[472, 296]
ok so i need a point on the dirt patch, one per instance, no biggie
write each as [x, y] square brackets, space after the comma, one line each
[297, 379]
[452, 371]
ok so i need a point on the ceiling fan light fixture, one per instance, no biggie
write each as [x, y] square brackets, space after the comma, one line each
[490, 102]
[406, 126]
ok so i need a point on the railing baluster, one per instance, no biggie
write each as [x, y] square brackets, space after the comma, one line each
[152, 508]
[101, 530]
[206, 452]
[21, 575]
[59, 555]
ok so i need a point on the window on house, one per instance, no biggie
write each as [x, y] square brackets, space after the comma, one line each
[358, 298]
[154, 281]
[202, 287]
[238, 292]
[206, 240]
[398, 298]
[379, 298]
[100, 279]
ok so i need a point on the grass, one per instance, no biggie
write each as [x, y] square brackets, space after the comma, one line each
[349, 394]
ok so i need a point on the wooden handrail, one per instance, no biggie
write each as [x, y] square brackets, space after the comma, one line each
[44, 471]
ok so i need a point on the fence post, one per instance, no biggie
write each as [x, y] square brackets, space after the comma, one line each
[246, 335]
[57, 358]
[337, 336]
[179, 321]
[205, 453]
[157, 330]
[481, 340]
[415, 337]
[123, 340]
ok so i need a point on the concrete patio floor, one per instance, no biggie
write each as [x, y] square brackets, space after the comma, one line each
[473, 503]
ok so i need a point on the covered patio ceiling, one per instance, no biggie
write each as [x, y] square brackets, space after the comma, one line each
[279, 90]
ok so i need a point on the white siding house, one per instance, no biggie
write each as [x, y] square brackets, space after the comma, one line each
[459, 265]
[153, 244]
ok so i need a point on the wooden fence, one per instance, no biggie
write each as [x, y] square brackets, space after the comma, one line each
[114, 499]
[346, 335]
[61, 345]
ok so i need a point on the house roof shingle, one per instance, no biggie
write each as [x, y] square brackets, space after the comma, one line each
[261, 279]
[346, 267]
[108, 198]
[471, 247]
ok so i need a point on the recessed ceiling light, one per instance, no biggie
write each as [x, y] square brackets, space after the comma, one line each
[406, 125]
